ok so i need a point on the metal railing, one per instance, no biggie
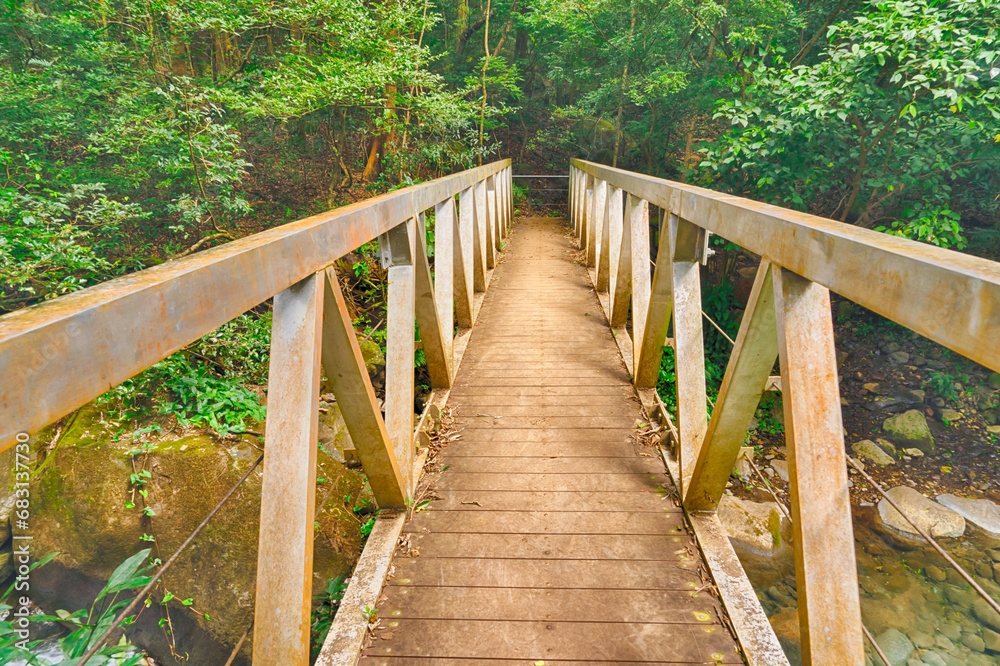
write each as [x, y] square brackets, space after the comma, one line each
[56, 357]
[950, 298]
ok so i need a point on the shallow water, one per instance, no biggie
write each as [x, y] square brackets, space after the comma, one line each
[905, 586]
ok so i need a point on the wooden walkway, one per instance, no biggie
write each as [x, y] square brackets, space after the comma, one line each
[555, 538]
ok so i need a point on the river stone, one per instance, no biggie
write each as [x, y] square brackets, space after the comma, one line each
[4, 531]
[994, 380]
[991, 640]
[922, 640]
[950, 630]
[909, 429]
[935, 519]
[896, 646]
[973, 642]
[935, 574]
[899, 357]
[932, 658]
[894, 402]
[871, 451]
[985, 613]
[757, 527]
[950, 415]
[980, 512]
[781, 468]
[786, 628]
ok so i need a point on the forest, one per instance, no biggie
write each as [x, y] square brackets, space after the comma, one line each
[137, 132]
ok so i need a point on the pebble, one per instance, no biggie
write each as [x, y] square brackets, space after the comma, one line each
[944, 642]
[935, 574]
[916, 453]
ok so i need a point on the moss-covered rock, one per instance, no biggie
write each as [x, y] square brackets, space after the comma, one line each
[373, 356]
[79, 509]
[909, 430]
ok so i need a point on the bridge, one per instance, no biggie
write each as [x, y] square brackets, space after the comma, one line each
[555, 535]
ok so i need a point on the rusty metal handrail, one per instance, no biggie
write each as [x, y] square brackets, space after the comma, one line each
[61, 354]
[951, 298]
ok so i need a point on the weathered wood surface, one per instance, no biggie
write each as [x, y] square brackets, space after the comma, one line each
[555, 537]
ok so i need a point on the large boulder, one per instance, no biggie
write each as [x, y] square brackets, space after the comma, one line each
[79, 508]
[757, 527]
[909, 430]
[936, 520]
[980, 512]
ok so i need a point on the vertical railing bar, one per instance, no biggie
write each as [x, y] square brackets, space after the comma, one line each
[479, 237]
[638, 221]
[825, 568]
[434, 338]
[288, 491]
[491, 223]
[400, 317]
[596, 227]
[621, 276]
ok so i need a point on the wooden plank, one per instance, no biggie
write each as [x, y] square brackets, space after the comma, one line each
[464, 262]
[746, 374]
[557, 546]
[630, 409]
[546, 522]
[288, 491]
[552, 464]
[559, 605]
[492, 572]
[470, 423]
[531, 482]
[825, 569]
[399, 353]
[580, 390]
[565, 500]
[585, 436]
[467, 447]
[590, 641]
[540, 382]
[348, 379]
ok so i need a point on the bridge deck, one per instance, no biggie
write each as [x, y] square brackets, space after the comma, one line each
[555, 538]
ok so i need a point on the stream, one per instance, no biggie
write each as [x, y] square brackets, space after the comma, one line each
[918, 608]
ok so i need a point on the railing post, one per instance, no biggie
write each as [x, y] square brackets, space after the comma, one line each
[687, 243]
[288, 492]
[399, 346]
[480, 239]
[491, 222]
[638, 221]
[747, 372]
[595, 226]
[825, 567]
[463, 244]
[434, 336]
[586, 212]
[658, 308]
[611, 238]
[621, 269]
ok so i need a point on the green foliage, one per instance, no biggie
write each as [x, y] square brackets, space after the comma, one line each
[202, 399]
[325, 606]
[903, 105]
[943, 385]
[90, 624]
